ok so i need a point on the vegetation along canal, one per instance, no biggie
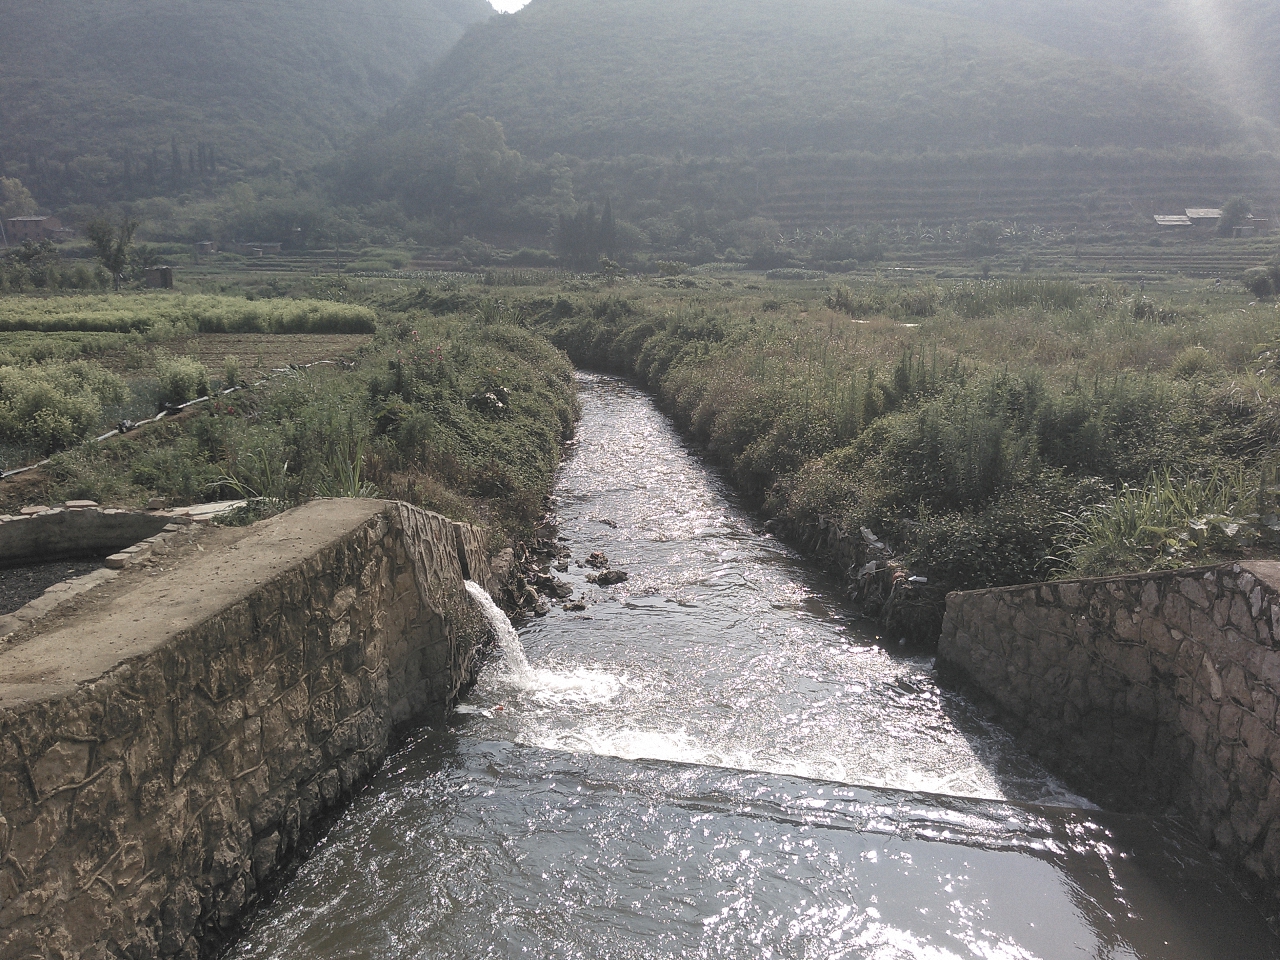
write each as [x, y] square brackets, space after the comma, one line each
[709, 762]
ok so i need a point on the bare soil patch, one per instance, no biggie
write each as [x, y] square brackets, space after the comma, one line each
[21, 585]
[269, 350]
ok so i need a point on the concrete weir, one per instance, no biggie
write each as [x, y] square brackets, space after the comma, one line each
[167, 746]
[1155, 692]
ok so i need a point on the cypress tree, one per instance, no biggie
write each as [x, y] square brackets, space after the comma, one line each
[608, 233]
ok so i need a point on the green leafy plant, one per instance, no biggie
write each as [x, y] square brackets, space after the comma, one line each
[343, 476]
[181, 379]
[231, 373]
[1167, 522]
[53, 405]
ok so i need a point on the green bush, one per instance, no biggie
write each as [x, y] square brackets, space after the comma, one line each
[55, 405]
[1263, 281]
[1010, 541]
[181, 379]
[1258, 281]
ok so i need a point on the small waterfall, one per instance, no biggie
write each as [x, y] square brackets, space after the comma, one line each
[508, 639]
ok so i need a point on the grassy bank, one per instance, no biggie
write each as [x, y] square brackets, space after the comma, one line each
[992, 432]
[987, 430]
[165, 315]
[453, 410]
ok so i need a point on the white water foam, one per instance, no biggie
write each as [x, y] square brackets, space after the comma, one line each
[575, 687]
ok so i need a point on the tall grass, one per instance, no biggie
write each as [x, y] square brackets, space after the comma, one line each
[163, 315]
[1012, 402]
[1168, 521]
[984, 298]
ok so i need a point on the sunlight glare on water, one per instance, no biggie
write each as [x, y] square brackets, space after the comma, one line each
[699, 765]
[723, 648]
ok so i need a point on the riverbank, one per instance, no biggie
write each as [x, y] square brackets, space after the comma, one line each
[171, 742]
[976, 435]
[712, 758]
[451, 410]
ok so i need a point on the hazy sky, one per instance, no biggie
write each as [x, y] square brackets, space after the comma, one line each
[508, 6]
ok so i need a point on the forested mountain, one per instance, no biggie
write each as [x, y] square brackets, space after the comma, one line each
[612, 77]
[691, 115]
[116, 98]
[1227, 47]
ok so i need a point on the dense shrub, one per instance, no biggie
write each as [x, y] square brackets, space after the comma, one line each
[180, 379]
[1263, 282]
[968, 465]
[54, 405]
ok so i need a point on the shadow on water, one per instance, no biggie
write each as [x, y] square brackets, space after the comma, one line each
[469, 848]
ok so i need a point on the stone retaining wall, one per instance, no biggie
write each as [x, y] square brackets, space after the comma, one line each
[163, 761]
[73, 531]
[1155, 692]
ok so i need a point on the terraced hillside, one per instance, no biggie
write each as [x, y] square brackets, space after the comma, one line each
[1060, 187]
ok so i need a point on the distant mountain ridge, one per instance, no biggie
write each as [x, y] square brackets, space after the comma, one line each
[1226, 46]
[86, 83]
[611, 77]
[690, 114]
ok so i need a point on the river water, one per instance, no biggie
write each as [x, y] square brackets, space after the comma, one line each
[714, 759]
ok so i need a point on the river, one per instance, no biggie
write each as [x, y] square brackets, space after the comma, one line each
[715, 759]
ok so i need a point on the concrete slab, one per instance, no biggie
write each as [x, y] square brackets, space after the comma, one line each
[133, 622]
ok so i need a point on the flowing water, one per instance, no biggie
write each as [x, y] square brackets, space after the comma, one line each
[713, 759]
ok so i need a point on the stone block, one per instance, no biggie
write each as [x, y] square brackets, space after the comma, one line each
[1235, 685]
[63, 765]
[1256, 737]
[1264, 707]
[1240, 616]
[1208, 678]
[1193, 589]
[1251, 778]
[1150, 597]
[265, 852]
[1230, 719]
[29, 843]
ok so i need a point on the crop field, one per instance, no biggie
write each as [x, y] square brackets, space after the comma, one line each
[165, 315]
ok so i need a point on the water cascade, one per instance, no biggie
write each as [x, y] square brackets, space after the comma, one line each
[508, 639]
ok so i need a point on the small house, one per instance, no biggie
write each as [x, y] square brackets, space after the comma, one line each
[1172, 220]
[159, 278]
[1204, 216]
[35, 229]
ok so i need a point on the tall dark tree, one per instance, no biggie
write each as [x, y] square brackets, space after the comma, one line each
[112, 245]
[175, 163]
[608, 232]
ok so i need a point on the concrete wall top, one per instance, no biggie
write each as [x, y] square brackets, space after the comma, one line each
[136, 623]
